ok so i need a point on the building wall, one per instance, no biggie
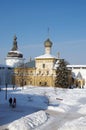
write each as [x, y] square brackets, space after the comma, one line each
[14, 61]
[44, 67]
[79, 69]
[41, 75]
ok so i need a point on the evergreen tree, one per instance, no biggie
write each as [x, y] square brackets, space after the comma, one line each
[62, 74]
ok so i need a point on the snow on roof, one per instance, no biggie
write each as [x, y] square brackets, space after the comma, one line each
[56, 64]
[76, 66]
[16, 51]
[45, 56]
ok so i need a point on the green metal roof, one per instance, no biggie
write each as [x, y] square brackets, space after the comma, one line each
[30, 64]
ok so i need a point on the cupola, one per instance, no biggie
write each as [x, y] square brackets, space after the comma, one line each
[48, 45]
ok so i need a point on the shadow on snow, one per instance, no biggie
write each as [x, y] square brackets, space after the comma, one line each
[26, 104]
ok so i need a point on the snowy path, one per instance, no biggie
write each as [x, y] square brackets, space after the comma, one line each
[58, 119]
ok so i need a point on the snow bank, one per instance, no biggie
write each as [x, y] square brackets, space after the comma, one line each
[29, 122]
[55, 109]
[77, 124]
[60, 108]
[82, 109]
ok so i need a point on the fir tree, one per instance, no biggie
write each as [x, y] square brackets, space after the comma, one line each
[62, 74]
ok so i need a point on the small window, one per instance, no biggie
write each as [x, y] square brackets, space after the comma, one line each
[31, 72]
[43, 65]
[39, 72]
[47, 72]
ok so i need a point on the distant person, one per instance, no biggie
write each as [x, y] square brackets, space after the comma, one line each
[10, 101]
[13, 87]
[14, 102]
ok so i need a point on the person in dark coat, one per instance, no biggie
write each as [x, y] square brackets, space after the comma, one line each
[10, 101]
[14, 102]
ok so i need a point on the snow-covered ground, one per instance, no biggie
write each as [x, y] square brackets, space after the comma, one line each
[42, 108]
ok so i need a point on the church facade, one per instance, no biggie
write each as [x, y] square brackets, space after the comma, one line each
[38, 72]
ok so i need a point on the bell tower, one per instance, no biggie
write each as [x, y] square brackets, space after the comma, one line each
[14, 57]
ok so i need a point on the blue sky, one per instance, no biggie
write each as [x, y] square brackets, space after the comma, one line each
[30, 20]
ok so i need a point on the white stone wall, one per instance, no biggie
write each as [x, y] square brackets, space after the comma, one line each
[48, 66]
[14, 61]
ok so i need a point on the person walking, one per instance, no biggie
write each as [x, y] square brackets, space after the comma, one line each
[10, 101]
[14, 102]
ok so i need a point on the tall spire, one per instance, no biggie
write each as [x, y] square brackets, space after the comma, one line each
[48, 32]
[15, 47]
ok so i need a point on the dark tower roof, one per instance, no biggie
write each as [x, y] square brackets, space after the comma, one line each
[14, 51]
[15, 47]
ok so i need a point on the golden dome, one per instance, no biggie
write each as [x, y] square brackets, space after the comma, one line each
[48, 43]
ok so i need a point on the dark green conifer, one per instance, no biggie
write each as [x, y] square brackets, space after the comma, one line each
[62, 74]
